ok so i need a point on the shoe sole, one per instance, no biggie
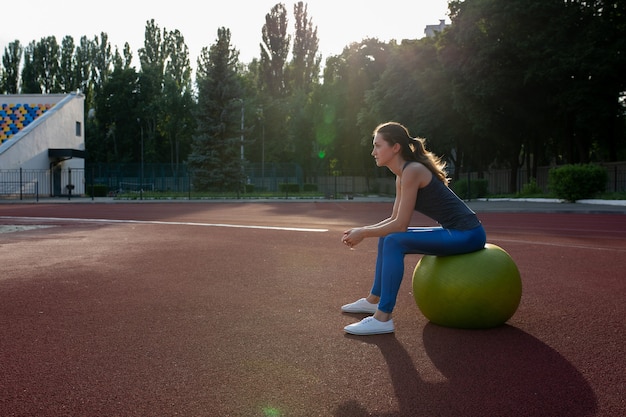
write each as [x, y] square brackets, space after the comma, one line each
[368, 333]
[361, 311]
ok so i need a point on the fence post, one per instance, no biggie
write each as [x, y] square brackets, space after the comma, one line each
[469, 184]
[69, 183]
[20, 183]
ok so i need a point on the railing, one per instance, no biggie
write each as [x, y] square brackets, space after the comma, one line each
[31, 184]
[35, 183]
[21, 183]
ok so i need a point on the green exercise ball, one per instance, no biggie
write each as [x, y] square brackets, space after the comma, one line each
[475, 290]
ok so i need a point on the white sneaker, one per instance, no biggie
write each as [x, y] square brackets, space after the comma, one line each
[360, 306]
[369, 325]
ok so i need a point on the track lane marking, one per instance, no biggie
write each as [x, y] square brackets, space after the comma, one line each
[239, 226]
[564, 245]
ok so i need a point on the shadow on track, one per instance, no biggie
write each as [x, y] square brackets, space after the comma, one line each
[501, 371]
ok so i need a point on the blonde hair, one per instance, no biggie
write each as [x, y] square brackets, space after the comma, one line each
[412, 149]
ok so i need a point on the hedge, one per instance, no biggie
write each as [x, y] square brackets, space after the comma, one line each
[576, 182]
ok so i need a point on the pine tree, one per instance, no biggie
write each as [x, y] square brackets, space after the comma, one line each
[215, 158]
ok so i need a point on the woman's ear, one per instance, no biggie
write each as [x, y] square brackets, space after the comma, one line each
[397, 148]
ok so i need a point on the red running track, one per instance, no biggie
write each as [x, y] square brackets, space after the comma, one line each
[166, 309]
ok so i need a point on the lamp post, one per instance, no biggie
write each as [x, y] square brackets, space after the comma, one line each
[242, 126]
[261, 118]
[141, 179]
[243, 172]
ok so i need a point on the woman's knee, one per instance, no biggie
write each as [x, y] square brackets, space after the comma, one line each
[478, 238]
[391, 241]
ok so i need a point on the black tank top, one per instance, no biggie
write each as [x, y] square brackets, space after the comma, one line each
[440, 203]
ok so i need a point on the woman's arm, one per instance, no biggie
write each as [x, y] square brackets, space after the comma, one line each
[394, 210]
[413, 178]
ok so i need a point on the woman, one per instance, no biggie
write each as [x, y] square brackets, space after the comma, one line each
[422, 185]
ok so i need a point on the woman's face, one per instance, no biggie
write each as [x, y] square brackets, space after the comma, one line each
[383, 152]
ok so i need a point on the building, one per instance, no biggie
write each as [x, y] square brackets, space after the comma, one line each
[431, 30]
[42, 138]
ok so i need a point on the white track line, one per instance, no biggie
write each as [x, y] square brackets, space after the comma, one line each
[563, 245]
[240, 226]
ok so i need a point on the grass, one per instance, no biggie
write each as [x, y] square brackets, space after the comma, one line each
[169, 195]
[613, 196]
[603, 196]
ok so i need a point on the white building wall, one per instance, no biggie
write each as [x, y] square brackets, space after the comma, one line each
[60, 127]
[56, 128]
[431, 30]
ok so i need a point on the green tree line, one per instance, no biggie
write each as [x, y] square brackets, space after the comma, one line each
[506, 85]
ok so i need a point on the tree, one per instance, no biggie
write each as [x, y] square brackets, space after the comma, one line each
[539, 81]
[178, 125]
[11, 61]
[304, 69]
[111, 130]
[152, 58]
[342, 132]
[273, 85]
[117, 116]
[592, 62]
[82, 69]
[166, 95]
[497, 55]
[102, 59]
[94, 62]
[30, 84]
[415, 90]
[46, 57]
[274, 52]
[41, 67]
[303, 75]
[215, 157]
[67, 76]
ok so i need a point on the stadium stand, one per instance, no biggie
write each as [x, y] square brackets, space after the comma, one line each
[15, 117]
[42, 145]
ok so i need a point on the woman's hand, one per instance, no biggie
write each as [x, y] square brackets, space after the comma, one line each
[353, 237]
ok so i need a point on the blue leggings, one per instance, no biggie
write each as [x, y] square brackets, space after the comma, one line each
[425, 240]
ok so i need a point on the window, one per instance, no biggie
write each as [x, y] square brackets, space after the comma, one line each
[78, 129]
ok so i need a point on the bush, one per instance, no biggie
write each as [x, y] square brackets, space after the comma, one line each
[530, 189]
[99, 190]
[311, 188]
[477, 188]
[575, 182]
[290, 187]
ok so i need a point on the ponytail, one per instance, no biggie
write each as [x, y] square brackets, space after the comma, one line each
[413, 149]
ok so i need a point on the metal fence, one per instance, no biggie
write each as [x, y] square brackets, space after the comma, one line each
[129, 178]
[34, 183]
[170, 178]
[19, 188]
[22, 183]
[499, 181]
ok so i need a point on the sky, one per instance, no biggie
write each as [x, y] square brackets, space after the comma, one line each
[339, 22]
